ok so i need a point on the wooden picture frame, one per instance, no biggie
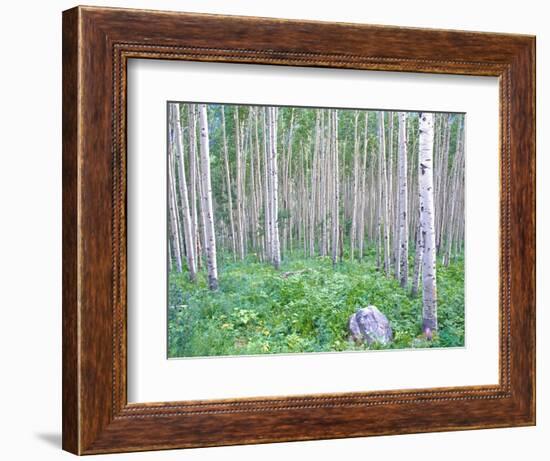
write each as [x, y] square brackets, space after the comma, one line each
[97, 43]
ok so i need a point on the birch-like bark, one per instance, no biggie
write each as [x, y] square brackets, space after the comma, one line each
[314, 179]
[363, 207]
[391, 221]
[427, 223]
[244, 215]
[206, 201]
[441, 201]
[174, 225]
[355, 197]
[228, 184]
[259, 189]
[274, 183]
[384, 227]
[267, 182]
[193, 174]
[286, 186]
[417, 261]
[254, 205]
[238, 154]
[324, 183]
[403, 249]
[335, 185]
[186, 212]
[170, 246]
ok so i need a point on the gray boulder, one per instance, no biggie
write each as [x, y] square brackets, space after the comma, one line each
[369, 325]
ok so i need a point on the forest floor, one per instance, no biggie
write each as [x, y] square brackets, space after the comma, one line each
[303, 307]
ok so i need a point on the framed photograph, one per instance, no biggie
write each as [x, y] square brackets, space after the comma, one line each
[281, 230]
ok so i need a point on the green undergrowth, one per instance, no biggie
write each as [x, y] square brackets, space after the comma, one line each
[303, 307]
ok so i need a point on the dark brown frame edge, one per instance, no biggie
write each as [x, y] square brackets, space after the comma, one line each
[97, 42]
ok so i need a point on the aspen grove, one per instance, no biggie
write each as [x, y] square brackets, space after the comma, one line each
[282, 221]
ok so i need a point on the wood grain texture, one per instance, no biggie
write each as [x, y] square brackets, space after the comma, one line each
[70, 383]
[97, 43]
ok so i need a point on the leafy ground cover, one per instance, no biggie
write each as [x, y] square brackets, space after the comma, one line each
[303, 307]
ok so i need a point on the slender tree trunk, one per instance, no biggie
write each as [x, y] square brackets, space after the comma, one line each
[373, 215]
[254, 205]
[441, 201]
[193, 174]
[355, 186]
[268, 226]
[380, 193]
[170, 246]
[244, 212]
[259, 173]
[314, 179]
[427, 224]
[417, 261]
[228, 184]
[363, 193]
[391, 221]
[187, 221]
[238, 153]
[384, 228]
[336, 185]
[206, 201]
[274, 192]
[403, 250]
[174, 225]
[325, 183]
[286, 185]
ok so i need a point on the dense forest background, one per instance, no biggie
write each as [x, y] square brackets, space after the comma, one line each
[283, 221]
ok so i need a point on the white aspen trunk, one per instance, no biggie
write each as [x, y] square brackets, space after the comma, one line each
[442, 200]
[305, 208]
[314, 195]
[259, 190]
[170, 248]
[355, 197]
[254, 204]
[201, 244]
[335, 196]
[286, 186]
[380, 194]
[267, 188]
[417, 261]
[289, 185]
[329, 168]
[403, 249]
[193, 173]
[415, 205]
[244, 214]
[320, 184]
[274, 180]
[373, 199]
[412, 180]
[302, 216]
[363, 192]
[173, 217]
[384, 224]
[459, 240]
[324, 185]
[187, 221]
[238, 154]
[228, 184]
[427, 223]
[275, 172]
[391, 221]
[206, 201]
